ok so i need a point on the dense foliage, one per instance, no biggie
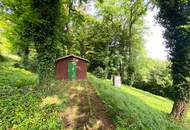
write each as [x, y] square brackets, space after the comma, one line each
[121, 27]
[111, 38]
[35, 31]
[20, 109]
[157, 79]
[19, 77]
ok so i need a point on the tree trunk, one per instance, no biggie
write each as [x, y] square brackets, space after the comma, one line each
[44, 35]
[179, 109]
[130, 67]
[46, 56]
[121, 72]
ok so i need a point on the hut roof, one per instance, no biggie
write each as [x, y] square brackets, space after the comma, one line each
[64, 57]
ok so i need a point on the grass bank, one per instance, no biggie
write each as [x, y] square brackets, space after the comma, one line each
[25, 106]
[134, 109]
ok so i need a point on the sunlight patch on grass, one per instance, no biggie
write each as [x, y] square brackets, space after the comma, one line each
[11, 56]
[156, 102]
[79, 88]
[69, 116]
[50, 100]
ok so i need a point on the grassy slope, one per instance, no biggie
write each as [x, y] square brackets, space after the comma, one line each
[134, 109]
[22, 105]
[16, 77]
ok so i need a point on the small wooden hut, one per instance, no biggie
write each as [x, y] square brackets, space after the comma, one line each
[71, 67]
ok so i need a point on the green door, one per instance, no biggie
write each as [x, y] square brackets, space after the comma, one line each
[72, 70]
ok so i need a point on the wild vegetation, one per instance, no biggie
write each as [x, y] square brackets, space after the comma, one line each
[23, 105]
[109, 33]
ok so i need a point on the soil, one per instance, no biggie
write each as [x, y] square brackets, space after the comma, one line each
[85, 110]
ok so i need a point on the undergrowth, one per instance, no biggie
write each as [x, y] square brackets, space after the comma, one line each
[16, 77]
[129, 111]
[25, 106]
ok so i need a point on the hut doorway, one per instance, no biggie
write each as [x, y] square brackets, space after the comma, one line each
[72, 70]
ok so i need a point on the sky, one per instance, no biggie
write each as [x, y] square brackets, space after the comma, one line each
[154, 41]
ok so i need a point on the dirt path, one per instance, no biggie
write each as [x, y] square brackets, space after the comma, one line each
[85, 110]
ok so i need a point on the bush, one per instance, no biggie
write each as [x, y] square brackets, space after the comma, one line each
[32, 66]
[100, 72]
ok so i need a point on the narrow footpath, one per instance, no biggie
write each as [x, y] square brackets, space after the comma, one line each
[85, 110]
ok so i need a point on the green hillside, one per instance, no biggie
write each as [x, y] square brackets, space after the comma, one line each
[126, 108]
[20, 101]
[134, 109]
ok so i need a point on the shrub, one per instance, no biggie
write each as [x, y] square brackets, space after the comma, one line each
[100, 72]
